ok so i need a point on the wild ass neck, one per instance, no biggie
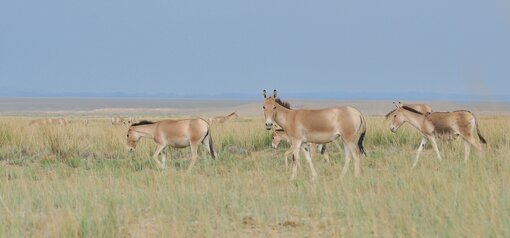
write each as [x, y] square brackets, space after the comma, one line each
[281, 116]
[146, 130]
[415, 119]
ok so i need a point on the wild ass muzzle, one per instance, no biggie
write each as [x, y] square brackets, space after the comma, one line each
[318, 126]
[446, 125]
[176, 133]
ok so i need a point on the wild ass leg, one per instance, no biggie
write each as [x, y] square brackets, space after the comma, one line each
[286, 157]
[355, 153]
[309, 160]
[467, 148]
[296, 145]
[420, 149]
[347, 153]
[434, 145]
[156, 154]
[474, 143]
[194, 149]
[312, 149]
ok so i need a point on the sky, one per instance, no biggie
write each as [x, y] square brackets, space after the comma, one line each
[156, 47]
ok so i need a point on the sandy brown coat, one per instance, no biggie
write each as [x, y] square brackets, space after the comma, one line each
[445, 125]
[176, 133]
[318, 126]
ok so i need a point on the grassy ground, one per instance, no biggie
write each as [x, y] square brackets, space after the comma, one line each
[78, 181]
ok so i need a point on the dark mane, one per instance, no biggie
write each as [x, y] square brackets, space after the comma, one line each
[144, 122]
[411, 110]
[233, 113]
[403, 107]
[283, 103]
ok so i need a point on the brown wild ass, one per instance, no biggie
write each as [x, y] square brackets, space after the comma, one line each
[49, 121]
[176, 133]
[318, 126]
[279, 135]
[447, 125]
[222, 119]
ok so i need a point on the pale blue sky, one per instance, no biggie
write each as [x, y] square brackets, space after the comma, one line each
[215, 47]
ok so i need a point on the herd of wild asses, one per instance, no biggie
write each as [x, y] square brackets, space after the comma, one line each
[306, 130]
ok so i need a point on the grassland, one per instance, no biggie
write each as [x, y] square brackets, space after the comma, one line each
[78, 181]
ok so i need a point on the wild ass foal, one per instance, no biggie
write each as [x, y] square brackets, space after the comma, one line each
[448, 125]
[280, 134]
[176, 133]
[319, 126]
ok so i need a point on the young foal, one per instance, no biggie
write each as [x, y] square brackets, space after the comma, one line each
[279, 135]
[449, 125]
[319, 126]
[176, 133]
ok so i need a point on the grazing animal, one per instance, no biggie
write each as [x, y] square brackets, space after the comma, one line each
[318, 126]
[448, 125]
[176, 133]
[423, 108]
[49, 121]
[222, 119]
[121, 121]
[279, 135]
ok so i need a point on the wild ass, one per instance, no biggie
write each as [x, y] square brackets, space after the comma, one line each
[222, 119]
[319, 126]
[121, 121]
[280, 134]
[176, 133]
[49, 121]
[449, 125]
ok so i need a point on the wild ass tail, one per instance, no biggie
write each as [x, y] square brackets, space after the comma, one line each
[208, 142]
[322, 148]
[362, 136]
[478, 131]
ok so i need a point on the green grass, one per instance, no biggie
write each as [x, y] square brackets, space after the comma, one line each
[71, 181]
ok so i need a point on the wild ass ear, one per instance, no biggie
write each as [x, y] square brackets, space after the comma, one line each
[264, 93]
[274, 93]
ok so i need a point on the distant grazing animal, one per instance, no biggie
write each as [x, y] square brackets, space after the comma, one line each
[222, 119]
[448, 125]
[279, 135]
[121, 121]
[49, 121]
[423, 108]
[176, 133]
[318, 126]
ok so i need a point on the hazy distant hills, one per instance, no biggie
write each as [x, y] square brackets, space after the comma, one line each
[414, 96]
